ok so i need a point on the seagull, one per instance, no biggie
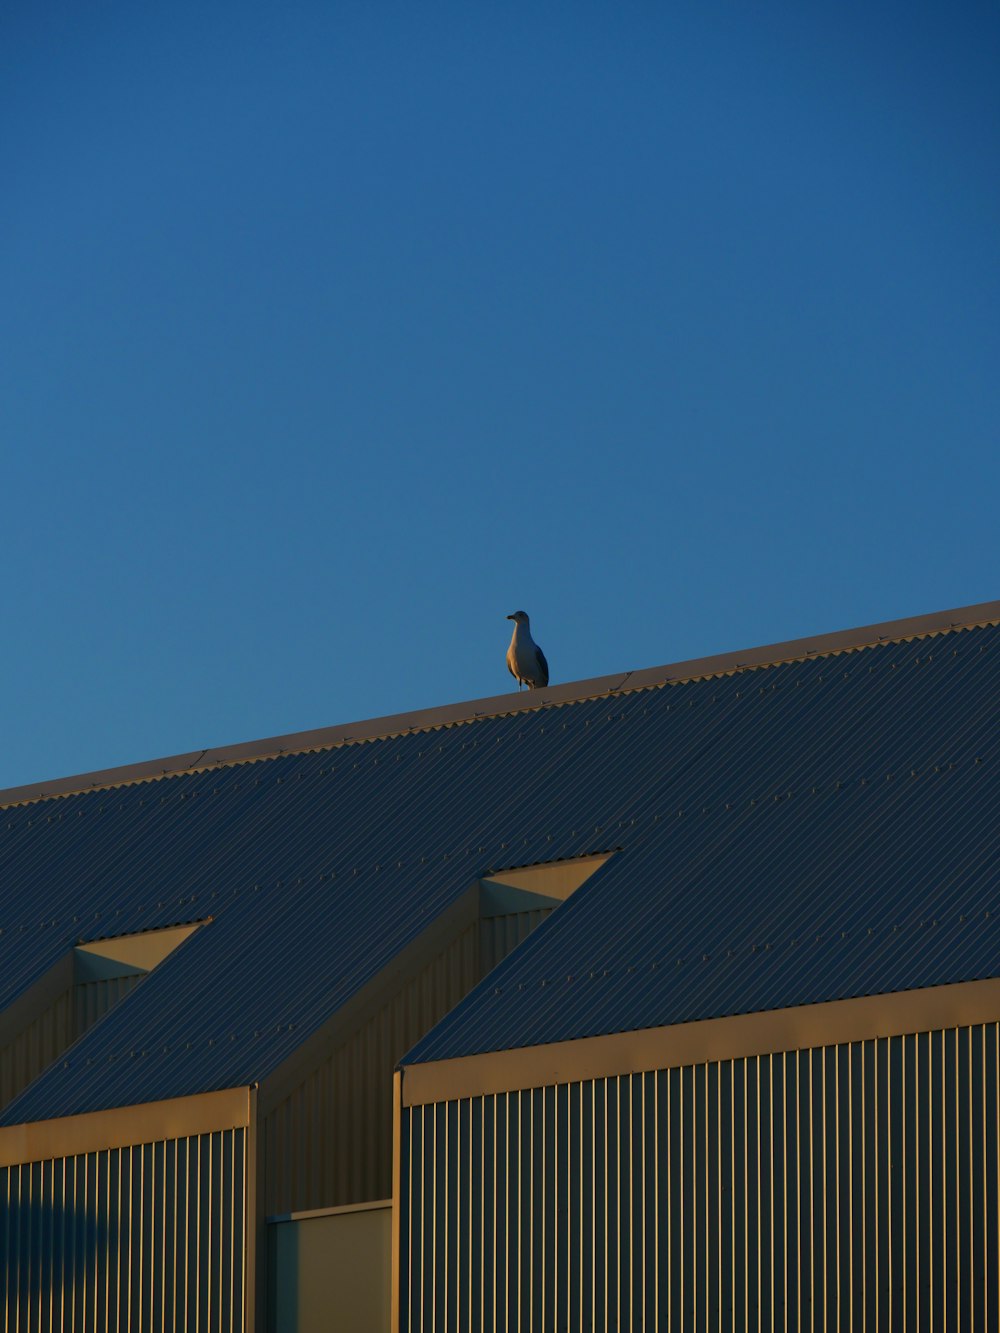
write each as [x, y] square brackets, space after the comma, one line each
[525, 660]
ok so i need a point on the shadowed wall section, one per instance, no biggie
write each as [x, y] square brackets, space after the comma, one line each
[328, 1138]
[87, 982]
[150, 1237]
[331, 1270]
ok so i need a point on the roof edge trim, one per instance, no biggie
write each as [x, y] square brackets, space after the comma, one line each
[766, 1032]
[125, 1126]
[398, 724]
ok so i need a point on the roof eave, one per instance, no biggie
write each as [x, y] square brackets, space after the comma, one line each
[727, 1037]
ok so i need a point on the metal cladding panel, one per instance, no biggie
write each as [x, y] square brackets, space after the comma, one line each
[850, 1186]
[500, 935]
[331, 1272]
[55, 1029]
[350, 1093]
[35, 1047]
[146, 1238]
[813, 832]
[350, 1090]
[767, 820]
[93, 999]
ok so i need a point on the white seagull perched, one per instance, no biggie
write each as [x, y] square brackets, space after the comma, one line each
[525, 660]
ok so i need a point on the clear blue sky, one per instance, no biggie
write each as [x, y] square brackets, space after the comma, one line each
[333, 332]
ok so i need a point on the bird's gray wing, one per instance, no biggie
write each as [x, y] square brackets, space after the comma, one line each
[544, 666]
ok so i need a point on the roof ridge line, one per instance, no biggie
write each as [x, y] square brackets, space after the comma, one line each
[447, 715]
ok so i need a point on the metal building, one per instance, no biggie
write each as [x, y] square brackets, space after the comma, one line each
[689, 977]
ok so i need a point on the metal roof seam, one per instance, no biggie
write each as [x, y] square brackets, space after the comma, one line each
[36, 794]
[827, 860]
[347, 742]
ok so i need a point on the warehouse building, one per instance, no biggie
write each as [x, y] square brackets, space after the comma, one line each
[664, 1000]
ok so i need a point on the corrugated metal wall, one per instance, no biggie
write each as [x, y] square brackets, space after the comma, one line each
[500, 935]
[55, 1029]
[93, 999]
[851, 1186]
[141, 1238]
[35, 1047]
[329, 1142]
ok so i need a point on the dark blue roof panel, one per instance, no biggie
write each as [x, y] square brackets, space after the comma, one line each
[800, 832]
[822, 830]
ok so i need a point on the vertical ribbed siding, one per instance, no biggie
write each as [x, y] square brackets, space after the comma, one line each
[329, 1142]
[500, 935]
[93, 999]
[55, 1028]
[34, 1048]
[151, 1237]
[850, 1186]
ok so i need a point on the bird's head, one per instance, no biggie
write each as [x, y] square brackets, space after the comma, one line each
[519, 617]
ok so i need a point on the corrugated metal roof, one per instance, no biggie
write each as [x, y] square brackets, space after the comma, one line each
[826, 830]
[426, 719]
[318, 868]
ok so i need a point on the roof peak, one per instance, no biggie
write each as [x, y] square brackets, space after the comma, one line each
[426, 719]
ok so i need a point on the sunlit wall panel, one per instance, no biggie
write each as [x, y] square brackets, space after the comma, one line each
[847, 1186]
[150, 1237]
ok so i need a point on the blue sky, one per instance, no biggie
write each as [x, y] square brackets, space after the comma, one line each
[331, 333]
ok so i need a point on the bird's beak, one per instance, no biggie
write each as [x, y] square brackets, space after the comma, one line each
[510, 617]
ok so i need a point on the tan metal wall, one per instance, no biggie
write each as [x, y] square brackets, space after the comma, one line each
[53, 1030]
[93, 999]
[330, 1272]
[846, 1186]
[500, 935]
[35, 1047]
[151, 1237]
[329, 1142]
